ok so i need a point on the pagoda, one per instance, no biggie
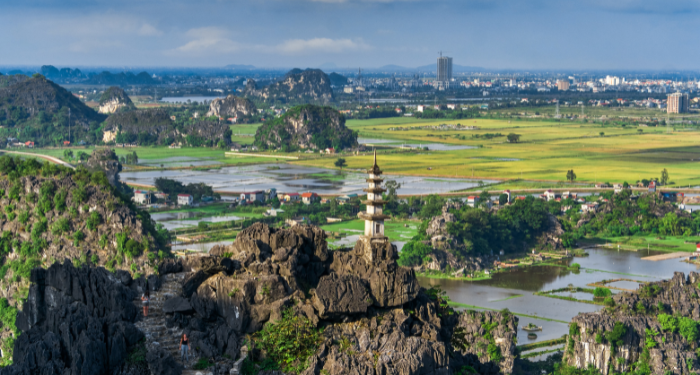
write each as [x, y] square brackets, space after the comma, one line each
[373, 217]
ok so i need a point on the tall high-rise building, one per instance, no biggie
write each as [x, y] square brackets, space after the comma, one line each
[444, 69]
[677, 103]
[563, 84]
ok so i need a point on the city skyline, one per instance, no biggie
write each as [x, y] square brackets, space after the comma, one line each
[540, 34]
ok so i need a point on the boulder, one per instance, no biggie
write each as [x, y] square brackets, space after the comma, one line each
[162, 363]
[341, 295]
[177, 304]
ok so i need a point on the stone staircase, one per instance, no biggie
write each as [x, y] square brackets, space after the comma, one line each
[153, 326]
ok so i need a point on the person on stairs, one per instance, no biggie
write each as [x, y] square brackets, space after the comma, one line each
[184, 348]
[145, 299]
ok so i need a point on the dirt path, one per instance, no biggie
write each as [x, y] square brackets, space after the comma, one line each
[45, 157]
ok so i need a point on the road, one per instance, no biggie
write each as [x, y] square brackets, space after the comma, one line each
[45, 157]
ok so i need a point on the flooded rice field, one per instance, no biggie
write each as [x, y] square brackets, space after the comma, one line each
[514, 289]
[294, 178]
[178, 161]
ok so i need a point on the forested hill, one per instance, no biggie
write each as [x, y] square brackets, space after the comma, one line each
[36, 109]
[307, 127]
[310, 85]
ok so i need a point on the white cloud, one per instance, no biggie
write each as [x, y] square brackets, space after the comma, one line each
[218, 41]
[323, 45]
[209, 40]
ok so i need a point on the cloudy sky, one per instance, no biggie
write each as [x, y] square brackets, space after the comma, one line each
[498, 34]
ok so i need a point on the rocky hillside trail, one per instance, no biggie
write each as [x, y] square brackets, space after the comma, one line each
[153, 326]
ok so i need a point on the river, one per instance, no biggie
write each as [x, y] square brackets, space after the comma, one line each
[514, 289]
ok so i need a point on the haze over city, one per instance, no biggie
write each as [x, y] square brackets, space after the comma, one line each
[510, 34]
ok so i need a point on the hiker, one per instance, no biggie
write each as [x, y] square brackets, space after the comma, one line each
[184, 348]
[145, 299]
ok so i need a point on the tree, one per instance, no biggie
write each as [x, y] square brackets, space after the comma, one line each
[340, 163]
[68, 154]
[570, 175]
[513, 138]
[83, 156]
[391, 187]
[484, 198]
[602, 134]
[502, 199]
[664, 177]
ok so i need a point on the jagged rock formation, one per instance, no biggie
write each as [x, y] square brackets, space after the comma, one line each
[105, 160]
[232, 107]
[296, 86]
[360, 297]
[154, 126]
[77, 321]
[115, 99]
[306, 126]
[35, 100]
[62, 75]
[643, 340]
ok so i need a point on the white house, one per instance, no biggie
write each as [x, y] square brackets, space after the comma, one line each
[184, 200]
[473, 201]
[142, 197]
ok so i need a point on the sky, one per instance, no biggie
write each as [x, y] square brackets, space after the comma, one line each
[492, 34]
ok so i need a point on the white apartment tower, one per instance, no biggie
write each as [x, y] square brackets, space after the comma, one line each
[444, 69]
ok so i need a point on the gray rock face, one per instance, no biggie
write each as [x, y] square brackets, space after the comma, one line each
[75, 321]
[106, 160]
[177, 304]
[638, 312]
[337, 296]
[232, 106]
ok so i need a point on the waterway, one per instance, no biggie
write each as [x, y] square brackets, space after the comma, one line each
[514, 289]
[295, 178]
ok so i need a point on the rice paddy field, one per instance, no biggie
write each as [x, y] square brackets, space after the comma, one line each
[547, 149]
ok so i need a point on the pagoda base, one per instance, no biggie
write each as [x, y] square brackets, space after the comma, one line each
[375, 249]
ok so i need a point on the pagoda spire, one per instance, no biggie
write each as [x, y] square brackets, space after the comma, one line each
[374, 217]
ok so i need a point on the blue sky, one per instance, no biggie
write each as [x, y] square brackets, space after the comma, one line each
[503, 34]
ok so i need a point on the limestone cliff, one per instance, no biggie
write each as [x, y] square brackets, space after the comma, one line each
[631, 334]
[115, 99]
[232, 107]
[310, 85]
[307, 127]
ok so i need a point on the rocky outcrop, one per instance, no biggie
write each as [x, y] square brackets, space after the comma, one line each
[639, 338]
[113, 100]
[75, 321]
[105, 160]
[476, 331]
[375, 318]
[310, 85]
[306, 127]
[232, 107]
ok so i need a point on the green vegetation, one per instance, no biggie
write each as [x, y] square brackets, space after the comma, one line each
[7, 318]
[483, 232]
[289, 342]
[172, 188]
[325, 126]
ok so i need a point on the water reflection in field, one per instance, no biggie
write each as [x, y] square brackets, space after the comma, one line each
[294, 178]
[601, 264]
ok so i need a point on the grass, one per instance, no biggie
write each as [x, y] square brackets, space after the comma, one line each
[472, 307]
[508, 298]
[394, 229]
[654, 242]
[541, 344]
[537, 354]
[548, 149]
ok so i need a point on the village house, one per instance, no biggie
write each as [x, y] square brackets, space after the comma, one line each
[159, 195]
[549, 195]
[473, 201]
[589, 207]
[292, 197]
[346, 199]
[252, 196]
[184, 200]
[309, 197]
[142, 197]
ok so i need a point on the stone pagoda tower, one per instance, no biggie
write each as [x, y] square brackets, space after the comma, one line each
[374, 237]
